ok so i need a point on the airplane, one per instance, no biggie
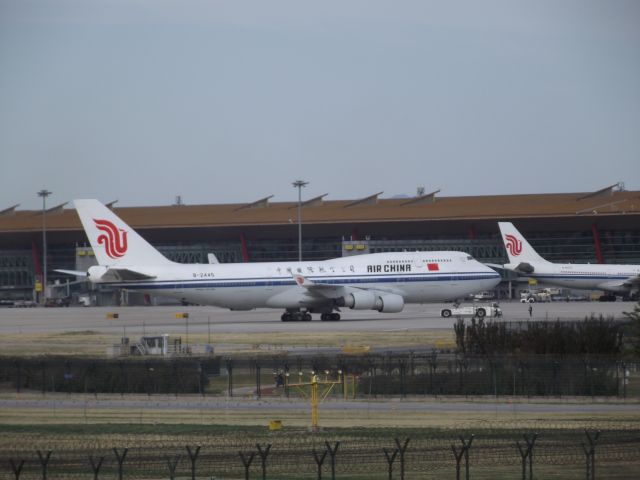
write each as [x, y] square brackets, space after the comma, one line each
[377, 281]
[524, 260]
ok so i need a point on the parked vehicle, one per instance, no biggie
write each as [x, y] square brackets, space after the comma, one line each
[57, 302]
[479, 311]
[484, 296]
[527, 296]
[24, 304]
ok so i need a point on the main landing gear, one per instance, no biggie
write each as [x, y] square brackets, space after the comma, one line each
[296, 317]
[306, 317]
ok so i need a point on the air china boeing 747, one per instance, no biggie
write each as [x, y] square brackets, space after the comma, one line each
[523, 259]
[379, 281]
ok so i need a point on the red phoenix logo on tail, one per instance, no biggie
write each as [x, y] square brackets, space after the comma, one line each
[115, 241]
[513, 245]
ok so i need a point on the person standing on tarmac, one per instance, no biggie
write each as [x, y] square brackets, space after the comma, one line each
[530, 310]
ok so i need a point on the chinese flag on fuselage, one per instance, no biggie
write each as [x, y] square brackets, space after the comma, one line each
[433, 267]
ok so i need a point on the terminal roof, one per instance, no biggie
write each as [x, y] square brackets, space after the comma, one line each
[489, 207]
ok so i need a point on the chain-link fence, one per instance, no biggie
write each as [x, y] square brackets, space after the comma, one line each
[392, 374]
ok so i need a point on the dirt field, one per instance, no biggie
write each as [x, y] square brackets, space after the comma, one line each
[94, 343]
[293, 452]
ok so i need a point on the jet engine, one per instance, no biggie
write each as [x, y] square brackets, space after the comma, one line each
[361, 300]
[365, 300]
[389, 303]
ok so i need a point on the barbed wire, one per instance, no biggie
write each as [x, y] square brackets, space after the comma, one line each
[360, 452]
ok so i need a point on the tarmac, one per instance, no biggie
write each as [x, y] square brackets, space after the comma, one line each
[202, 319]
[294, 403]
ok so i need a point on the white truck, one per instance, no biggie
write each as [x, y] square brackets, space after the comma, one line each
[527, 296]
[480, 311]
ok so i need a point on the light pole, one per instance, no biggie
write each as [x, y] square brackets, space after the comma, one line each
[44, 193]
[299, 184]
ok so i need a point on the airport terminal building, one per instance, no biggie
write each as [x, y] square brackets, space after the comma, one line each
[588, 227]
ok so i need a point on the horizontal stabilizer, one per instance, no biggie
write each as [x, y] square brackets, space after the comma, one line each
[525, 267]
[125, 275]
[75, 273]
[495, 266]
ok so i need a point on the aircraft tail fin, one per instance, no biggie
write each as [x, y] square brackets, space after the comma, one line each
[518, 249]
[113, 241]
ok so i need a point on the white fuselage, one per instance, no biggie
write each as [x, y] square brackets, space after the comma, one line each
[614, 278]
[416, 276]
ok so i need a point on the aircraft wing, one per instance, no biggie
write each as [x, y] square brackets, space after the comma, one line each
[619, 285]
[633, 282]
[320, 289]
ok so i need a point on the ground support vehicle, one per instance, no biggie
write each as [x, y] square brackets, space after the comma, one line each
[479, 311]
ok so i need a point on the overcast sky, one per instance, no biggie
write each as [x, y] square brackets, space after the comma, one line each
[230, 101]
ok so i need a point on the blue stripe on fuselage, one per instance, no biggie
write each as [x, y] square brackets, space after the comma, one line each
[580, 276]
[270, 282]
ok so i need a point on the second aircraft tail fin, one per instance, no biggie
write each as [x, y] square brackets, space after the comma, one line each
[518, 249]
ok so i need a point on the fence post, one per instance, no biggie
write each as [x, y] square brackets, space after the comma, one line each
[17, 469]
[201, 371]
[95, 467]
[530, 445]
[332, 454]
[401, 449]
[120, 459]
[524, 453]
[18, 376]
[263, 457]
[556, 369]
[433, 365]
[247, 463]
[390, 459]
[44, 461]
[465, 447]
[593, 441]
[462, 369]
[229, 364]
[458, 457]
[319, 461]
[587, 455]
[193, 456]
[172, 465]
[43, 367]
[258, 385]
